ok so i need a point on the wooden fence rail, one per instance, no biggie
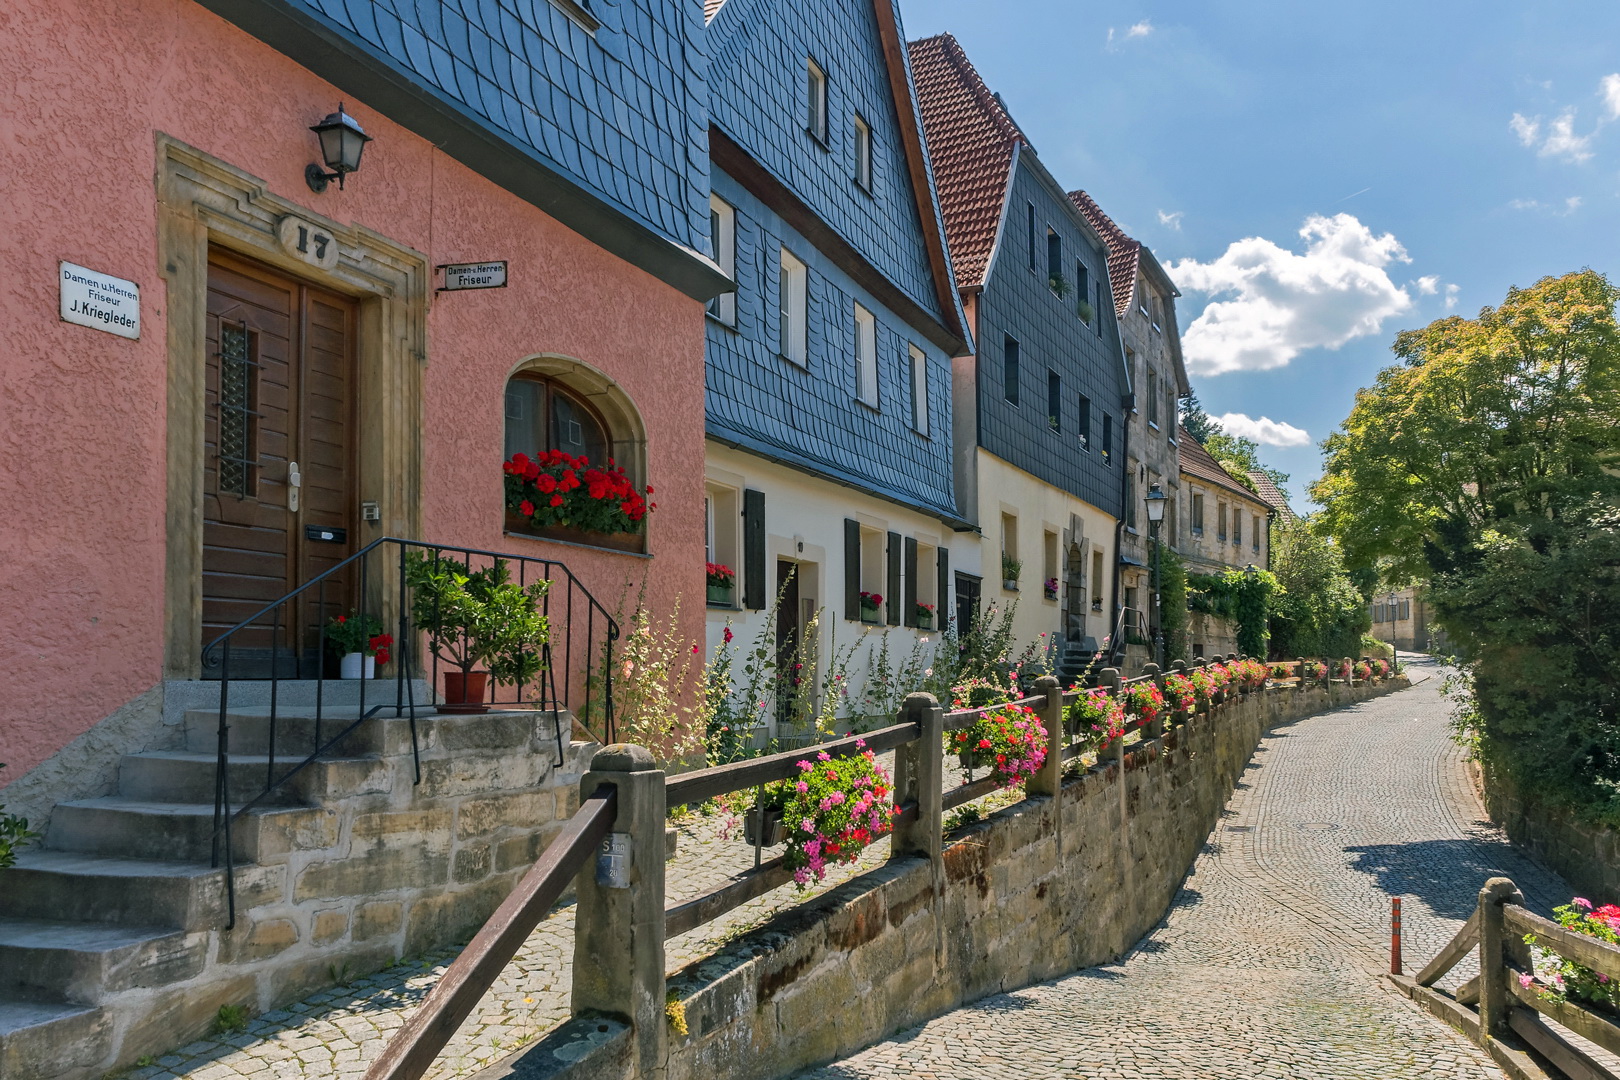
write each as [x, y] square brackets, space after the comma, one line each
[1502, 1007]
[918, 738]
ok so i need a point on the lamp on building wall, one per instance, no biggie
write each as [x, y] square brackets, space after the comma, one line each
[342, 142]
[1155, 499]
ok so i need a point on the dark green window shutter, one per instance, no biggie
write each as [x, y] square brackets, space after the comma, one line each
[909, 607]
[754, 591]
[892, 595]
[852, 569]
[943, 607]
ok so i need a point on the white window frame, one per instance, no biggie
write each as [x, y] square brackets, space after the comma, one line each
[792, 306]
[723, 219]
[866, 364]
[919, 390]
[863, 154]
[815, 121]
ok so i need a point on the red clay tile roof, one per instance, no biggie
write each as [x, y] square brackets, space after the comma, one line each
[1124, 254]
[970, 140]
[1196, 461]
[1271, 493]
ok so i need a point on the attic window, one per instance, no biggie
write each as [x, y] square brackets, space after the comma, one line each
[863, 154]
[815, 119]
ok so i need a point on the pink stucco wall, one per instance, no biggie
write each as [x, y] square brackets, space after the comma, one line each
[85, 85]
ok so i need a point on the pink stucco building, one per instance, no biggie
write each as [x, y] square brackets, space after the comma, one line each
[166, 144]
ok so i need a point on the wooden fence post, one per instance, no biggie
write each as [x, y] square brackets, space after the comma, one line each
[1494, 1003]
[1048, 779]
[619, 913]
[919, 775]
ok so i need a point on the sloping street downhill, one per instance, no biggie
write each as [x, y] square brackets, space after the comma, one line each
[1267, 964]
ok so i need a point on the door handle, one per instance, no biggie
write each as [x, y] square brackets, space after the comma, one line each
[295, 485]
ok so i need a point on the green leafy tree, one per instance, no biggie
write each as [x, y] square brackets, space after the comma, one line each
[1240, 457]
[1488, 463]
[1173, 605]
[1197, 422]
[1241, 598]
[1319, 611]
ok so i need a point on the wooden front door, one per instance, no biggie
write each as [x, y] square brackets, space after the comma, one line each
[278, 481]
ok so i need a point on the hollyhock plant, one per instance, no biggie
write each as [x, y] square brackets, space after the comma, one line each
[1560, 979]
[1145, 701]
[554, 488]
[1096, 717]
[831, 811]
[1010, 740]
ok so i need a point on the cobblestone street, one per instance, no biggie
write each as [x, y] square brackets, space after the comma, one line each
[1267, 964]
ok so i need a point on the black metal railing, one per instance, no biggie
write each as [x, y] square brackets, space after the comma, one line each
[570, 670]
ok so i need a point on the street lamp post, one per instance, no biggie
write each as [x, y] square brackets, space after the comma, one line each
[1393, 602]
[1155, 499]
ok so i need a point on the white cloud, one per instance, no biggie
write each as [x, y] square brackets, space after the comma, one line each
[1451, 296]
[1525, 128]
[1428, 284]
[1610, 87]
[1171, 220]
[1141, 29]
[1272, 304]
[1562, 141]
[1564, 209]
[1572, 204]
[1265, 431]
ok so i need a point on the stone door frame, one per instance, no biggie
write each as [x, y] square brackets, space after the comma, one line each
[204, 202]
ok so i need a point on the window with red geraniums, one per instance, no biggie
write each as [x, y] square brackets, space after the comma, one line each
[923, 614]
[556, 489]
[870, 602]
[1009, 741]
[720, 575]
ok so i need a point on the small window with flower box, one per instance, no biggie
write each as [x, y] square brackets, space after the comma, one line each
[723, 543]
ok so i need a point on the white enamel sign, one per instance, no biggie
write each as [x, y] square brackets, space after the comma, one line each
[484, 275]
[100, 301]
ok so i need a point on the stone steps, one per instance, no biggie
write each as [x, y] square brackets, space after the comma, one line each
[43, 960]
[132, 828]
[100, 889]
[188, 776]
[49, 1039]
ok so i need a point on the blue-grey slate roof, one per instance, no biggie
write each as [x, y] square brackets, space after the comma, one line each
[758, 95]
[622, 112]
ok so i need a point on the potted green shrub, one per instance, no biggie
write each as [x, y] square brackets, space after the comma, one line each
[1011, 569]
[477, 617]
[1085, 311]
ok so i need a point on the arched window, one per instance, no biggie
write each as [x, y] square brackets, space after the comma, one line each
[541, 415]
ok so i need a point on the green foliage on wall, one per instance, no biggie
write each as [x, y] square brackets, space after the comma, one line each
[1239, 597]
[1173, 604]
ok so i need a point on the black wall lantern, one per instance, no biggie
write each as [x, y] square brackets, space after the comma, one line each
[342, 143]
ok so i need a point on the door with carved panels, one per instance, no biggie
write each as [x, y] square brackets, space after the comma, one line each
[278, 481]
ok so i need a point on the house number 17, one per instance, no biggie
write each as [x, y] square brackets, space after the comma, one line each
[307, 242]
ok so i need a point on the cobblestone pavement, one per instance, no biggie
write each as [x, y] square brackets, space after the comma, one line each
[337, 1033]
[1266, 966]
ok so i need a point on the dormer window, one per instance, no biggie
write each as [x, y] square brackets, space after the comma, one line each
[815, 119]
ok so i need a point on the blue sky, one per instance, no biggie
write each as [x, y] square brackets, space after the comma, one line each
[1438, 152]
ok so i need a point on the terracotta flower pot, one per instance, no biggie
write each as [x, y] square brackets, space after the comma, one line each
[464, 692]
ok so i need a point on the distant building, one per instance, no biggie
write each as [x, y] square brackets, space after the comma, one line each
[1407, 621]
[1041, 432]
[1222, 526]
[1144, 300]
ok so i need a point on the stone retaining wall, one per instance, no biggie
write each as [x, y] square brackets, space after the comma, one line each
[1035, 891]
[1585, 854]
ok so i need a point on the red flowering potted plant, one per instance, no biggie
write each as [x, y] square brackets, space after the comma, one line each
[1010, 741]
[923, 615]
[476, 618]
[722, 581]
[1559, 979]
[828, 814]
[1096, 718]
[870, 602]
[1363, 671]
[1145, 701]
[563, 497]
[359, 643]
[1180, 695]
